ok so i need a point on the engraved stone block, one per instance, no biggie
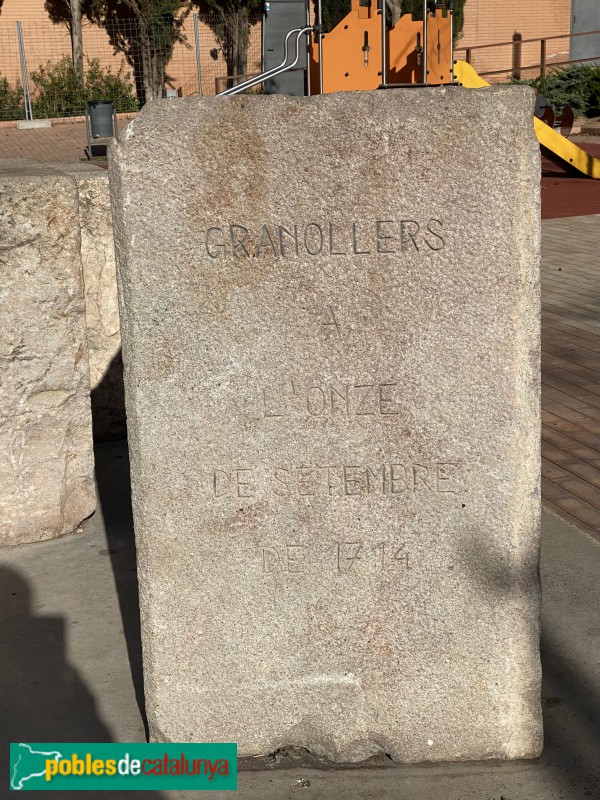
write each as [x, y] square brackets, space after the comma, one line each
[330, 332]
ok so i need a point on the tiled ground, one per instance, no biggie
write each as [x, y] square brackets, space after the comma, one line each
[565, 195]
[63, 142]
[571, 369]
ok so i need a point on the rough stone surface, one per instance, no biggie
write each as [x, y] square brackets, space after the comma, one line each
[101, 307]
[46, 457]
[335, 445]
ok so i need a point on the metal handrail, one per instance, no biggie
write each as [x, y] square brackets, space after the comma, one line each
[271, 73]
[517, 43]
[542, 67]
[528, 41]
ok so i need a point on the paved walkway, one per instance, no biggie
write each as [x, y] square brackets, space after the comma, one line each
[64, 142]
[565, 195]
[571, 369]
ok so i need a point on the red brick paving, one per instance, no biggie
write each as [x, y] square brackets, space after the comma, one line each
[564, 195]
[571, 369]
[61, 143]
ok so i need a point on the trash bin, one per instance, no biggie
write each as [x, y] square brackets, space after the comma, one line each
[101, 118]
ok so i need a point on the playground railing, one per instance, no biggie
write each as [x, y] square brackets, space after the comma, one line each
[516, 68]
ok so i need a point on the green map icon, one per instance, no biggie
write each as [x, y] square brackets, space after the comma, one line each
[29, 766]
[61, 766]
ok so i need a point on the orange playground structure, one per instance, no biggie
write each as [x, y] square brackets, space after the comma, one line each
[365, 52]
[351, 58]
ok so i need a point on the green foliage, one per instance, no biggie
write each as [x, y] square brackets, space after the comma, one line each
[59, 11]
[145, 31]
[11, 101]
[105, 85]
[415, 7]
[334, 12]
[230, 21]
[227, 8]
[58, 90]
[577, 85]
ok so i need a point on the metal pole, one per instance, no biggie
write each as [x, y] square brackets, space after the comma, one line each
[543, 58]
[24, 74]
[308, 50]
[87, 133]
[424, 41]
[263, 22]
[197, 41]
[271, 73]
[451, 12]
[320, 35]
[383, 46]
[516, 55]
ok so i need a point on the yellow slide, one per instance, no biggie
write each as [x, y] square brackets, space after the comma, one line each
[565, 152]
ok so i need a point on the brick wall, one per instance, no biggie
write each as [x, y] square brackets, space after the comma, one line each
[489, 21]
[45, 42]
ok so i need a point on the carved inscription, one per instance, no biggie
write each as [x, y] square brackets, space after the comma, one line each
[385, 555]
[335, 480]
[329, 322]
[343, 557]
[380, 237]
[356, 399]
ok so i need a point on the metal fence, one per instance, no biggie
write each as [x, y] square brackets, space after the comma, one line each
[528, 58]
[122, 62]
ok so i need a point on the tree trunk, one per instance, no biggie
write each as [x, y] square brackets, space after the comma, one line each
[76, 36]
[243, 35]
[235, 46]
[157, 71]
[147, 63]
[153, 60]
[395, 8]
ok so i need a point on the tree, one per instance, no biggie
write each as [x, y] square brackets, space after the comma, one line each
[145, 31]
[415, 7]
[69, 12]
[76, 35]
[335, 10]
[395, 10]
[230, 21]
[157, 25]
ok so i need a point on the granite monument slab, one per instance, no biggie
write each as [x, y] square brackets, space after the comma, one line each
[330, 313]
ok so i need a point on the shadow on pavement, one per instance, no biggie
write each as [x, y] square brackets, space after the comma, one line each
[42, 697]
[114, 498]
[114, 494]
[571, 718]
